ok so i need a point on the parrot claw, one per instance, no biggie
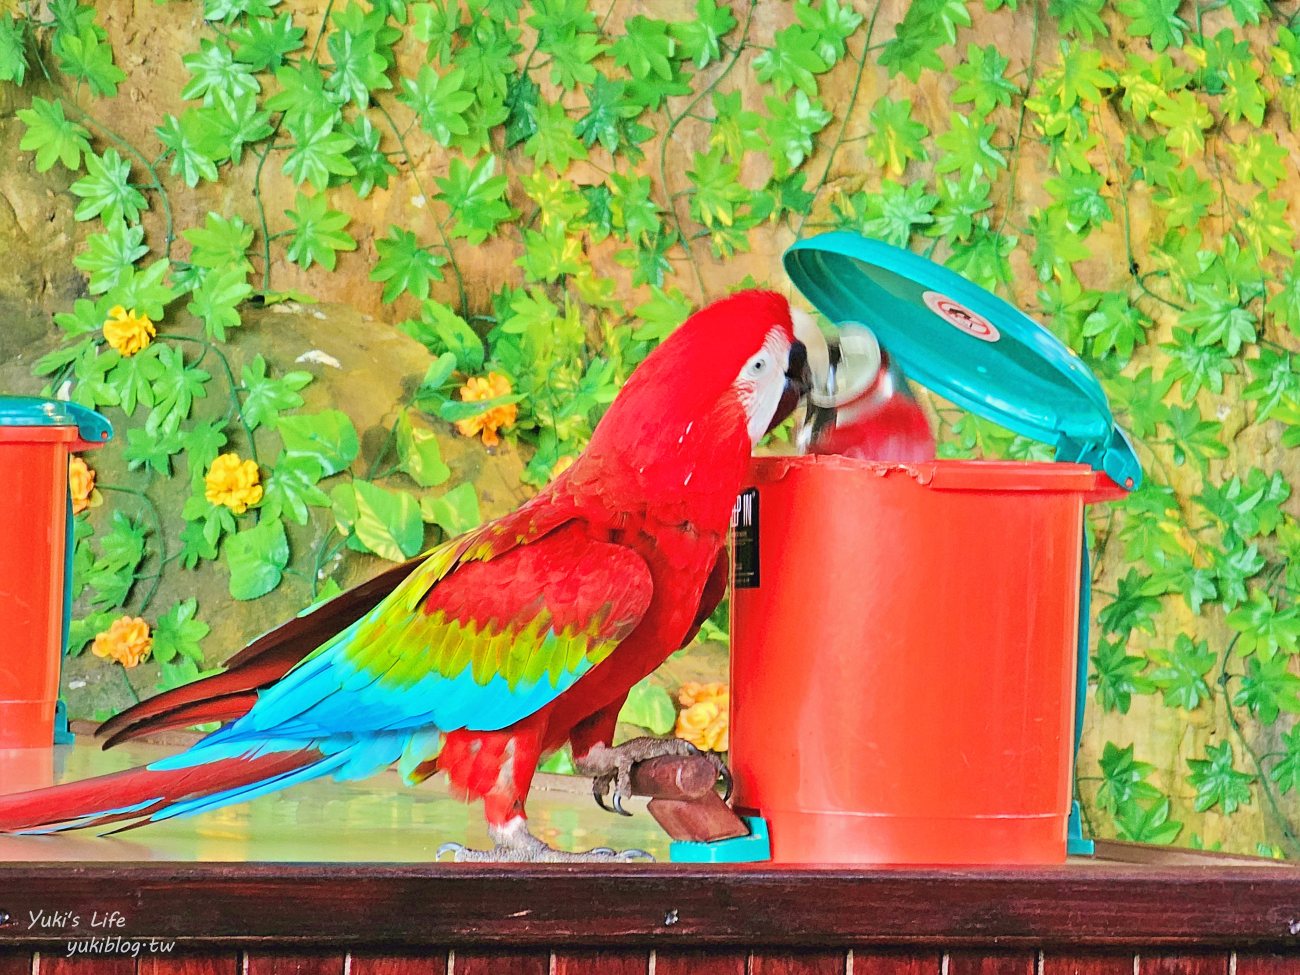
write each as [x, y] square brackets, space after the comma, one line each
[514, 844]
[613, 767]
[452, 848]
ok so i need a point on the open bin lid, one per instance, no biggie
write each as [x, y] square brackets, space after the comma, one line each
[32, 411]
[967, 345]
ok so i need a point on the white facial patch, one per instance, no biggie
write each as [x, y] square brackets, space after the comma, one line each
[762, 381]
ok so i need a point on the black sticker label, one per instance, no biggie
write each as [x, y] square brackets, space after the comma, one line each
[744, 540]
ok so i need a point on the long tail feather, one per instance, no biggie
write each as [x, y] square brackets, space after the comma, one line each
[262, 662]
[142, 794]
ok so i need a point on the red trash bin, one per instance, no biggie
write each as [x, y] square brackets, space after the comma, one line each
[906, 638]
[37, 436]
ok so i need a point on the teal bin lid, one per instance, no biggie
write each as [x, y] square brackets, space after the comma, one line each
[33, 411]
[967, 345]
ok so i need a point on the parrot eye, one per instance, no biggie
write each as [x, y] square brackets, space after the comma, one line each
[758, 365]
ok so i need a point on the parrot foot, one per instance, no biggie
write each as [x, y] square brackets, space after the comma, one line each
[613, 767]
[514, 844]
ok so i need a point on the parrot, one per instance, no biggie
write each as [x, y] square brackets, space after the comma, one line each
[499, 646]
[859, 404]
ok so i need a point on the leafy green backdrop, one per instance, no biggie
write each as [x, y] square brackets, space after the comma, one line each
[545, 189]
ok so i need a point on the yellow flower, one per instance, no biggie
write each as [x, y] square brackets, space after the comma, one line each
[128, 332]
[127, 641]
[705, 725]
[233, 482]
[81, 484]
[693, 692]
[481, 388]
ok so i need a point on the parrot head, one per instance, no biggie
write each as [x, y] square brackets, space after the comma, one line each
[736, 362]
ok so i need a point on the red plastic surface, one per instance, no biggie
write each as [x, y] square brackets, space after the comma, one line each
[903, 676]
[33, 525]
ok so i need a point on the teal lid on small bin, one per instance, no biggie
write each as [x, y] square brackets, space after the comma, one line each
[967, 345]
[33, 411]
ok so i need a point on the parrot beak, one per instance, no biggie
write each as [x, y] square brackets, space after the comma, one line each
[798, 380]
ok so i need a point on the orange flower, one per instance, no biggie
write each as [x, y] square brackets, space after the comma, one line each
[693, 692]
[127, 641]
[81, 484]
[705, 725]
[128, 332]
[481, 388]
[233, 482]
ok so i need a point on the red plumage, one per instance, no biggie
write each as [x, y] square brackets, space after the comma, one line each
[627, 544]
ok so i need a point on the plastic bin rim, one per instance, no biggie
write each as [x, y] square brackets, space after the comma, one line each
[955, 475]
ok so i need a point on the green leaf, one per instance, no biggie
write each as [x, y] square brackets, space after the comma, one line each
[256, 558]
[833, 23]
[718, 190]
[1261, 628]
[1079, 17]
[983, 80]
[194, 145]
[792, 61]
[984, 258]
[292, 489]
[106, 189]
[86, 57]
[320, 151]
[1119, 676]
[438, 101]
[1217, 782]
[895, 212]
[328, 438]
[649, 706]
[645, 49]
[404, 265]
[699, 39]
[441, 330]
[387, 522]
[925, 26]
[1268, 688]
[175, 390]
[1217, 318]
[367, 156]
[109, 254]
[1186, 118]
[178, 634]
[264, 43]
[359, 66]
[455, 512]
[554, 141]
[1134, 605]
[52, 136]
[968, 149]
[13, 48]
[1147, 824]
[217, 298]
[610, 117]
[1056, 245]
[477, 198]
[265, 398]
[234, 121]
[302, 94]
[1259, 159]
[1180, 673]
[1123, 779]
[418, 450]
[144, 290]
[213, 68]
[152, 448]
[790, 127]
[1156, 19]
[318, 233]
[1287, 771]
[220, 242]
